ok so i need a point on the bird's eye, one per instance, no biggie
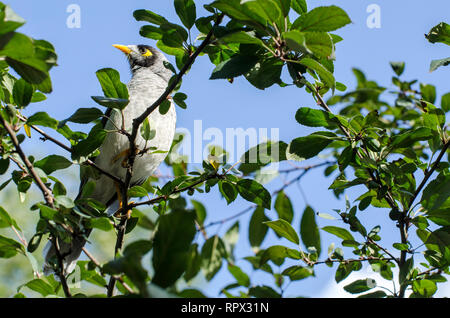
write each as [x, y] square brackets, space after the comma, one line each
[146, 52]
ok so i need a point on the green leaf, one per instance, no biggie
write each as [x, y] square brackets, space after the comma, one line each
[360, 286]
[83, 116]
[405, 270]
[265, 74]
[117, 103]
[307, 147]
[39, 286]
[234, 67]
[186, 12]
[171, 245]
[241, 37]
[296, 40]
[64, 201]
[193, 264]
[111, 85]
[409, 137]
[6, 220]
[4, 165]
[103, 224]
[212, 253]
[203, 24]
[401, 247]
[138, 248]
[93, 141]
[34, 242]
[254, 192]
[146, 132]
[375, 294]
[263, 11]
[10, 21]
[233, 9]
[309, 230]
[428, 92]
[439, 240]
[164, 107]
[262, 155]
[149, 16]
[151, 32]
[284, 229]
[284, 208]
[179, 99]
[200, 211]
[241, 277]
[191, 293]
[398, 67]
[277, 254]
[174, 35]
[345, 269]
[424, 287]
[42, 119]
[299, 6]
[317, 118]
[319, 43]
[284, 6]
[323, 19]
[439, 33]
[445, 102]
[257, 230]
[339, 232]
[325, 75]
[22, 93]
[47, 212]
[9, 248]
[435, 64]
[228, 190]
[231, 237]
[20, 52]
[52, 163]
[297, 272]
[263, 292]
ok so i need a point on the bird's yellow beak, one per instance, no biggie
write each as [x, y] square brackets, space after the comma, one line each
[125, 49]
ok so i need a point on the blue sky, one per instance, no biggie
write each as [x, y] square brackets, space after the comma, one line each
[223, 105]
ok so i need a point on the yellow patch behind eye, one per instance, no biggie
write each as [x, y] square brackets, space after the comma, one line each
[147, 53]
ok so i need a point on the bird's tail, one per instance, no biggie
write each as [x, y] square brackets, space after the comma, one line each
[69, 252]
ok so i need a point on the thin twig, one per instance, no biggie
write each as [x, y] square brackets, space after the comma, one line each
[98, 265]
[63, 146]
[47, 193]
[428, 174]
[235, 216]
[371, 241]
[352, 260]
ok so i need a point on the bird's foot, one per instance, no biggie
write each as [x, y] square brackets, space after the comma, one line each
[125, 155]
[119, 213]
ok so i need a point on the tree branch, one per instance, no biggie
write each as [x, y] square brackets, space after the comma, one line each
[46, 192]
[428, 174]
[404, 222]
[133, 148]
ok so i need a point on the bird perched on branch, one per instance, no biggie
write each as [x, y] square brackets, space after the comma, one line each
[149, 81]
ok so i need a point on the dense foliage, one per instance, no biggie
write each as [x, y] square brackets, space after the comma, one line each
[396, 151]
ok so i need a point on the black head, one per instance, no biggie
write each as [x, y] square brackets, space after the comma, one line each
[139, 55]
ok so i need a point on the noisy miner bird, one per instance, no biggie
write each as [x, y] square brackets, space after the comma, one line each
[149, 81]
